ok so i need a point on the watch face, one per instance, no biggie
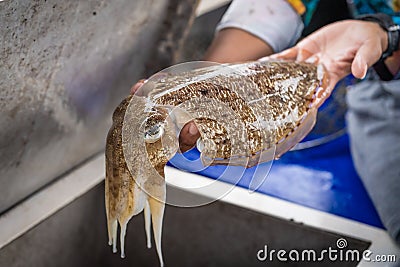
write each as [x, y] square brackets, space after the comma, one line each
[394, 27]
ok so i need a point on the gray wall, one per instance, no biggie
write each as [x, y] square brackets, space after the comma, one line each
[64, 66]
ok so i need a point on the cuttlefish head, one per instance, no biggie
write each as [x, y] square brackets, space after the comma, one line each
[139, 144]
[160, 137]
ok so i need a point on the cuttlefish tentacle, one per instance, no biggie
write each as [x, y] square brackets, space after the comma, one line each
[157, 214]
[156, 187]
[135, 161]
[274, 104]
[114, 236]
[147, 222]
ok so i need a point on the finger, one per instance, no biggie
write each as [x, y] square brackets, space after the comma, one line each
[333, 80]
[188, 136]
[137, 85]
[325, 90]
[303, 55]
[367, 55]
[336, 71]
[288, 54]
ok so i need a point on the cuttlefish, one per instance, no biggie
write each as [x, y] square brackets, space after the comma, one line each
[246, 114]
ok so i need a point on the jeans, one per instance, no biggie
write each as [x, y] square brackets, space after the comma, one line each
[373, 121]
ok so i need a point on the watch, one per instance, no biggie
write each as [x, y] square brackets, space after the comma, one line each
[393, 31]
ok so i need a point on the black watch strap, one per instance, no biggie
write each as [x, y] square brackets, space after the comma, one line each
[386, 23]
[382, 70]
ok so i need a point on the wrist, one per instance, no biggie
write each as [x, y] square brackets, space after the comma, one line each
[392, 32]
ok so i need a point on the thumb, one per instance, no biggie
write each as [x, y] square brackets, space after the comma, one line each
[367, 55]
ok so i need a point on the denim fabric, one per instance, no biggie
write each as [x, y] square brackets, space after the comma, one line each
[373, 122]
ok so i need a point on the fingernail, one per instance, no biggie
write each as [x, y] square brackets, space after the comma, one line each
[362, 69]
[365, 69]
[192, 129]
[312, 60]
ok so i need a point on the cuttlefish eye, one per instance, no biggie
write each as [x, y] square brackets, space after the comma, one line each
[154, 133]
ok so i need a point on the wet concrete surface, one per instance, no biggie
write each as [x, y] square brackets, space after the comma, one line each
[65, 65]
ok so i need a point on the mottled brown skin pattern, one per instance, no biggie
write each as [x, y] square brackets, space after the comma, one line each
[218, 135]
[119, 182]
[116, 167]
[302, 98]
[279, 102]
[207, 126]
[123, 195]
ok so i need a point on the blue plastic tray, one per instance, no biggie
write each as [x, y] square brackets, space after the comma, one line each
[322, 177]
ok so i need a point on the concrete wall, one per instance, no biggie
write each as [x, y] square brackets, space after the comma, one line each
[64, 66]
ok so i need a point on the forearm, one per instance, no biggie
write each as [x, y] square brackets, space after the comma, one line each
[236, 45]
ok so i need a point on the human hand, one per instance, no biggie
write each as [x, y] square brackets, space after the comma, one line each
[137, 85]
[344, 47]
[189, 133]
